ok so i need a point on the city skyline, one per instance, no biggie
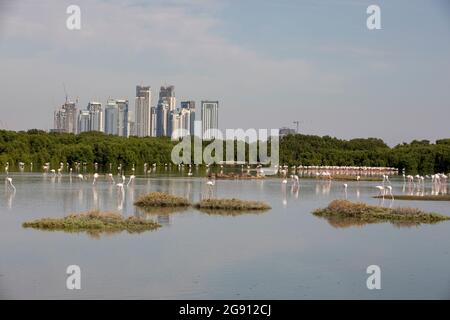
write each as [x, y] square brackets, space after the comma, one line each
[165, 119]
[341, 79]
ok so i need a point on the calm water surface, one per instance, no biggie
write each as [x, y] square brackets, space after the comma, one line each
[284, 253]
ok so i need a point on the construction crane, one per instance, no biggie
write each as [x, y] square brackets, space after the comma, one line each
[65, 92]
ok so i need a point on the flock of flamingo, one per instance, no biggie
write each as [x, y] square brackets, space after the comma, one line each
[323, 172]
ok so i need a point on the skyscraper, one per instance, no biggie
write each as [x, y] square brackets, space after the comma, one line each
[162, 119]
[189, 105]
[95, 116]
[168, 94]
[84, 121]
[153, 122]
[122, 118]
[111, 117]
[131, 131]
[65, 118]
[210, 118]
[143, 120]
[181, 123]
[166, 104]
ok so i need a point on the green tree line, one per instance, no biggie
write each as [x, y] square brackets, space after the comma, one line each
[39, 147]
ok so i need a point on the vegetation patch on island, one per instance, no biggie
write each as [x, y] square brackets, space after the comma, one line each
[358, 213]
[232, 205]
[443, 197]
[160, 199]
[93, 222]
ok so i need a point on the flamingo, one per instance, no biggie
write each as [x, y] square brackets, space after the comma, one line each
[345, 189]
[111, 178]
[9, 182]
[7, 168]
[80, 176]
[389, 189]
[381, 189]
[284, 173]
[131, 179]
[95, 178]
[120, 186]
[210, 183]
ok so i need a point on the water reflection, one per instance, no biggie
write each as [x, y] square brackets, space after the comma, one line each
[342, 223]
[10, 198]
[233, 213]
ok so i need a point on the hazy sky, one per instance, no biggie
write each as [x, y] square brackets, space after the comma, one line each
[267, 62]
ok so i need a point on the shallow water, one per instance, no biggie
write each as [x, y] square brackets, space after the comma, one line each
[284, 253]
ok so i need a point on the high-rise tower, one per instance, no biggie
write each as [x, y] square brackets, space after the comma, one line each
[210, 119]
[143, 120]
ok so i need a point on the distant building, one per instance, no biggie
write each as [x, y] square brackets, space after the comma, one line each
[166, 104]
[168, 94]
[95, 116]
[131, 124]
[143, 120]
[181, 121]
[122, 118]
[153, 122]
[189, 105]
[111, 117]
[162, 119]
[284, 131]
[83, 121]
[210, 118]
[65, 118]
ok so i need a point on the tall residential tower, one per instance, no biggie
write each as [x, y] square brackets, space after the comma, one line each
[65, 118]
[166, 104]
[210, 119]
[143, 120]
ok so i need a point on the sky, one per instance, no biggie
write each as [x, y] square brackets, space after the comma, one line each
[269, 63]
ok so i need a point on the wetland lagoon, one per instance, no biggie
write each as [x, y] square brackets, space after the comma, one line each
[285, 252]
